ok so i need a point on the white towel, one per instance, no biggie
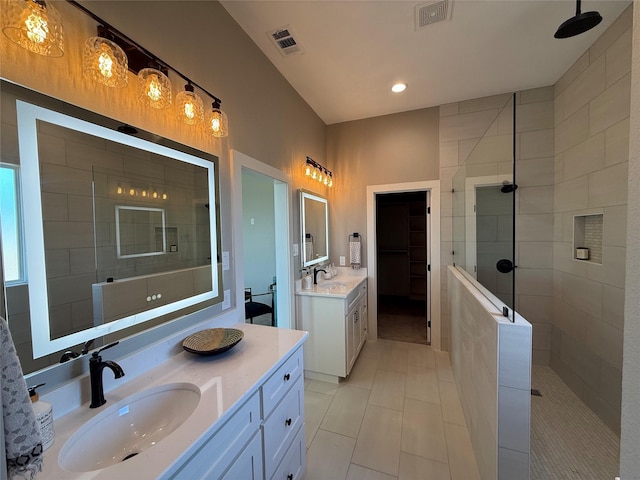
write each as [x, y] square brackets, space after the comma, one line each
[354, 254]
[23, 444]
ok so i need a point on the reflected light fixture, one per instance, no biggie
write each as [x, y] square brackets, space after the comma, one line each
[315, 171]
[105, 62]
[399, 87]
[217, 122]
[35, 25]
[154, 88]
[189, 106]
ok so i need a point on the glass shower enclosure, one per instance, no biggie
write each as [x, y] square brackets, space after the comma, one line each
[484, 209]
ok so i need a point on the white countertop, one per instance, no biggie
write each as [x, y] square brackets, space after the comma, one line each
[224, 380]
[347, 283]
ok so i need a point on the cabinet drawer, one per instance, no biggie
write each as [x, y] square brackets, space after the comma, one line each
[248, 466]
[294, 461]
[279, 383]
[282, 426]
[225, 444]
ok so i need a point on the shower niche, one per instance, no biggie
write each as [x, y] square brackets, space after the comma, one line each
[587, 238]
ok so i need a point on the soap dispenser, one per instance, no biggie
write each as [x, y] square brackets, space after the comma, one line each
[44, 417]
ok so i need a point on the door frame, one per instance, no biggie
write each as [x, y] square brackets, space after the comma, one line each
[283, 234]
[432, 187]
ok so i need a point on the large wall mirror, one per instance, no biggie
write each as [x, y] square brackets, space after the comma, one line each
[108, 230]
[314, 221]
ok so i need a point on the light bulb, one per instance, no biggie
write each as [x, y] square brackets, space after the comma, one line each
[155, 195]
[105, 65]
[119, 190]
[189, 110]
[154, 92]
[132, 192]
[164, 196]
[37, 27]
[144, 193]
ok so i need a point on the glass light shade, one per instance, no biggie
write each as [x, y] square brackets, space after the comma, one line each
[330, 184]
[154, 88]
[34, 25]
[190, 108]
[217, 123]
[105, 62]
[307, 170]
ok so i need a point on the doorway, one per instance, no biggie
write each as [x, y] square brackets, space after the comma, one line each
[432, 187]
[271, 251]
[402, 267]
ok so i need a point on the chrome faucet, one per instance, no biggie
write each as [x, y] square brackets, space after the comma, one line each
[315, 274]
[96, 366]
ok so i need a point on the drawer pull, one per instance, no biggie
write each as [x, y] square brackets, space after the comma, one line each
[290, 476]
[287, 422]
[287, 377]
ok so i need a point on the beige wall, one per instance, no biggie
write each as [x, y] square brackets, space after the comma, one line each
[630, 435]
[396, 148]
[268, 119]
[591, 156]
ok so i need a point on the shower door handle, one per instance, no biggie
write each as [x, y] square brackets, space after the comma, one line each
[505, 265]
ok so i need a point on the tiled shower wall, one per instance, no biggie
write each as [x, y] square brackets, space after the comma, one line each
[591, 155]
[462, 125]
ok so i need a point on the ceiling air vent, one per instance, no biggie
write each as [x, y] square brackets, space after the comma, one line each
[284, 41]
[428, 13]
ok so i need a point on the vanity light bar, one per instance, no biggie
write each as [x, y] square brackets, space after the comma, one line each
[316, 171]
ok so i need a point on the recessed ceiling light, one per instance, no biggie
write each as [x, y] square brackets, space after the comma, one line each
[399, 87]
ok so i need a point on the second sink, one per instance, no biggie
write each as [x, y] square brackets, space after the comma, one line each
[129, 427]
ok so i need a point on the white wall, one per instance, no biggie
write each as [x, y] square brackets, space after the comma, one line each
[630, 435]
[258, 221]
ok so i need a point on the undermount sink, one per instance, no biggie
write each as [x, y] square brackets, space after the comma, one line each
[129, 427]
[331, 286]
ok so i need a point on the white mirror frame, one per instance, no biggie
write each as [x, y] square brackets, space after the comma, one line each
[28, 116]
[304, 196]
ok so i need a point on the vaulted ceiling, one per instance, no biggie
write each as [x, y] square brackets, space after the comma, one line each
[349, 53]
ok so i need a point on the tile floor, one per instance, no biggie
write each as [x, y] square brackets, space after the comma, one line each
[397, 416]
[568, 440]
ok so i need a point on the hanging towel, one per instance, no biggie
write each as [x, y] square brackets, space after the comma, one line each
[354, 254]
[23, 444]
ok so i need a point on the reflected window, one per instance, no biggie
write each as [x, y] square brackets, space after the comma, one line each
[10, 222]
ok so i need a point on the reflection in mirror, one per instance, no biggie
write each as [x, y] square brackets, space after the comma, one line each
[314, 223]
[140, 232]
[112, 234]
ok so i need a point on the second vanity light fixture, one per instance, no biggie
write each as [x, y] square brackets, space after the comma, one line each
[314, 170]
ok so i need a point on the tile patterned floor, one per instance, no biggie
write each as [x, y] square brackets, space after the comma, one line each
[568, 440]
[397, 416]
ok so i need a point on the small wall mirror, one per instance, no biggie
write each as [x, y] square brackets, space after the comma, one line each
[314, 223]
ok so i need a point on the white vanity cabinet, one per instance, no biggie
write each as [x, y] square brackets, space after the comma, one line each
[337, 324]
[261, 440]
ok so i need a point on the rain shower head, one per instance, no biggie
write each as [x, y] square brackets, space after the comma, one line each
[578, 24]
